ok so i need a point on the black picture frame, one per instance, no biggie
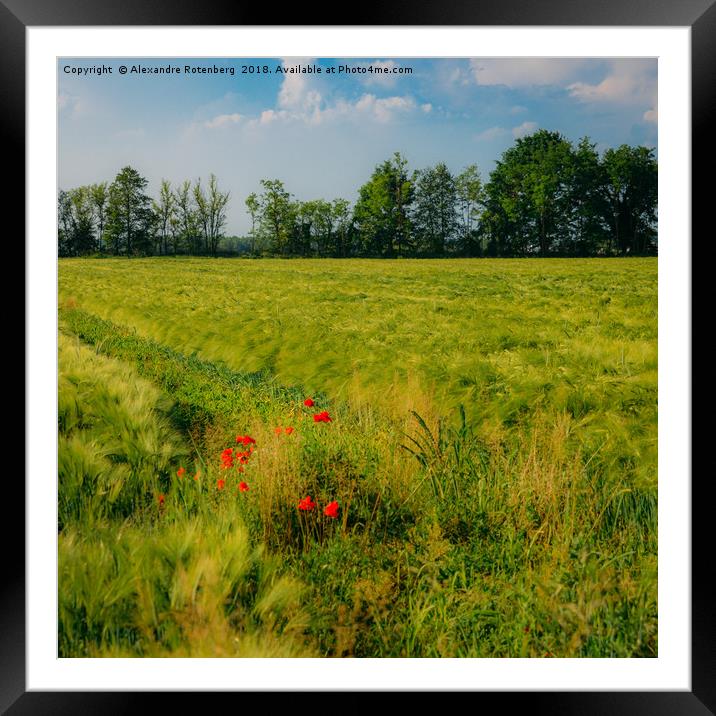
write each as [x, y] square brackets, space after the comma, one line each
[699, 15]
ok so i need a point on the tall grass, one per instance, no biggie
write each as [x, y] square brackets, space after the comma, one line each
[506, 509]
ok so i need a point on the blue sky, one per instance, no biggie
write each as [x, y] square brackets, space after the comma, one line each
[323, 133]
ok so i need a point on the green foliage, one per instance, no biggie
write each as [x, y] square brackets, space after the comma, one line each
[632, 188]
[545, 197]
[129, 214]
[76, 222]
[381, 212]
[435, 218]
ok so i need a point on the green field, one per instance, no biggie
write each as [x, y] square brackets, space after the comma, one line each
[492, 449]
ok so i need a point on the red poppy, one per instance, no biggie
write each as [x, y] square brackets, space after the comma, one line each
[331, 510]
[306, 504]
[181, 472]
[289, 430]
[220, 484]
[278, 431]
[245, 439]
[323, 417]
[308, 402]
[160, 499]
[227, 458]
[243, 487]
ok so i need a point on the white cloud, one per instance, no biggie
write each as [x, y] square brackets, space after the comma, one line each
[625, 82]
[496, 132]
[525, 72]
[296, 92]
[300, 100]
[367, 107]
[223, 120]
[492, 133]
[379, 78]
[457, 76]
[383, 109]
[72, 105]
[524, 129]
[628, 82]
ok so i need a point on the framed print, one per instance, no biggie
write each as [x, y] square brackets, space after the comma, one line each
[261, 463]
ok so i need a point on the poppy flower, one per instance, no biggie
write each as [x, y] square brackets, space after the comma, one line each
[160, 499]
[331, 510]
[323, 417]
[181, 472]
[308, 402]
[306, 504]
[220, 484]
[289, 430]
[227, 458]
[278, 431]
[245, 439]
[243, 487]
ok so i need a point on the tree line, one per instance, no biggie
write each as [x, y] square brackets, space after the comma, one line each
[122, 220]
[545, 197]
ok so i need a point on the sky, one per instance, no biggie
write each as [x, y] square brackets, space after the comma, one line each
[323, 132]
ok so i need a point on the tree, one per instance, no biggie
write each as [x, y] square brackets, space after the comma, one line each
[175, 232]
[469, 193]
[253, 206]
[211, 212]
[381, 212]
[340, 210]
[75, 222]
[528, 194]
[99, 195]
[83, 241]
[276, 215]
[401, 191]
[299, 242]
[632, 198]
[164, 212]
[202, 213]
[64, 224]
[435, 219]
[129, 215]
[187, 219]
[587, 199]
[322, 227]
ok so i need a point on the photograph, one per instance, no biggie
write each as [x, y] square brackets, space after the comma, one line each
[357, 357]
